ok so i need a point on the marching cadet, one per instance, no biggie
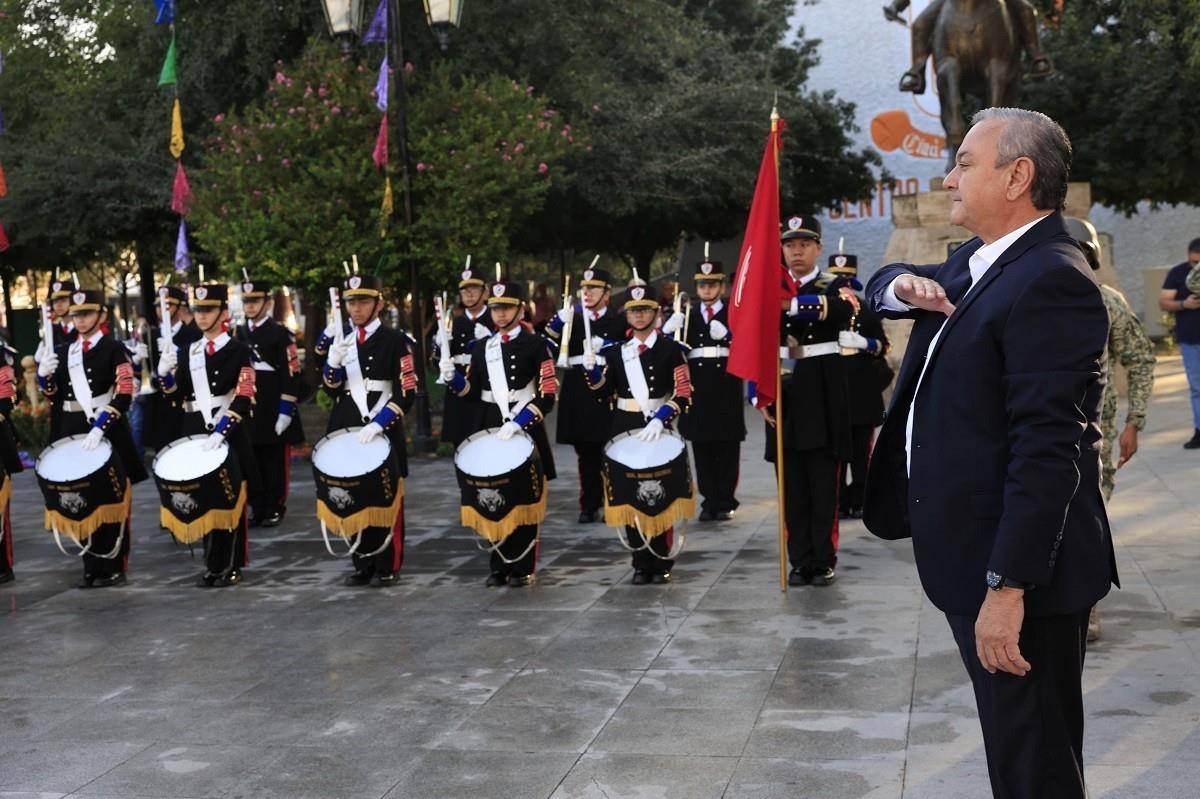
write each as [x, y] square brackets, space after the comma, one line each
[864, 347]
[653, 366]
[60, 304]
[94, 368]
[274, 426]
[715, 423]
[226, 363]
[10, 461]
[584, 417]
[528, 370]
[816, 419]
[460, 417]
[162, 413]
[372, 378]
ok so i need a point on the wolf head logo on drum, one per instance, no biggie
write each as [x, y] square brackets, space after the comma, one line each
[651, 492]
[72, 501]
[183, 502]
[490, 499]
[340, 498]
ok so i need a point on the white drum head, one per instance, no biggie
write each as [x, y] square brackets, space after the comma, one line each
[630, 451]
[67, 460]
[484, 455]
[186, 460]
[340, 455]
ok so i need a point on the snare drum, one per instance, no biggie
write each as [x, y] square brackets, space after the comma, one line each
[358, 485]
[647, 484]
[83, 488]
[502, 483]
[200, 490]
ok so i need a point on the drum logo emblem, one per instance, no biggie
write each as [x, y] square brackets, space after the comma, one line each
[340, 498]
[650, 492]
[183, 502]
[72, 501]
[490, 499]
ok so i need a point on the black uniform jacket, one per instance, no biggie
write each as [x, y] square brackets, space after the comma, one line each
[1005, 471]
[163, 412]
[665, 368]
[584, 416]
[9, 457]
[866, 373]
[385, 355]
[717, 412]
[461, 417]
[108, 370]
[527, 363]
[276, 376]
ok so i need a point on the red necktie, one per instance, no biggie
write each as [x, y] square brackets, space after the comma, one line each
[642, 348]
[210, 348]
[708, 311]
[595, 316]
[505, 337]
[87, 345]
[362, 335]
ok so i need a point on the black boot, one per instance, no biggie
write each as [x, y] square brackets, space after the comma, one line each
[1195, 442]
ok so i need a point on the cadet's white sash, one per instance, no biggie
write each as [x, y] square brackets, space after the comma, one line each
[635, 376]
[358, 386]
[497, 376]
[79, 382]
[201, 390]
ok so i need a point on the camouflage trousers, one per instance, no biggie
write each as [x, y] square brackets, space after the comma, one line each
[1108, 430]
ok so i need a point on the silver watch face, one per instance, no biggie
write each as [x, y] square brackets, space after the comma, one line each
[994, 580]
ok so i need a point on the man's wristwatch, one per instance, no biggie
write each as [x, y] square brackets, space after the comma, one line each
[996, 582]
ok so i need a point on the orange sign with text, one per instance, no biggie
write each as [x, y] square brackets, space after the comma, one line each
[893, 130]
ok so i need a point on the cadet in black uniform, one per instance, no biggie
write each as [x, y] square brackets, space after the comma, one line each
[715, 423]
[665, 371]
[109, 374]
[382, 359]
[530, 373]
[816, 418]
[10, 462]
[864, 349]
[275, 425]
[162, 413]
[584, 418]
[460, 417]
[60, 304]
[231, 386]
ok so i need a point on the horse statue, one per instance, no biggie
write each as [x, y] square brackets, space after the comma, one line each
[976, 47]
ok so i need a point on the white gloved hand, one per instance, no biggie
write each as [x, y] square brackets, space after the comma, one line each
[481, 331]
[164, 344]
[589, 361]
[49, 365]
[566, 314]
[651, 431]
[597, 343]
[282, 423]
[673, 324]
[508, 430]
[94, 437]
[214, 441]
[369, 433]
[40, 352]
[140, 352]
[338, 351]
[852, 340]
[167, 362]
[446, 366]
[330, 331]
[717, 330]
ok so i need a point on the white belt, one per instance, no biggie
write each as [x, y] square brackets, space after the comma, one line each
[708, 352]
[633, 406]
[461, 360]
[809, 350]
[262, 366]
[577, 360]
[218, 403]
[378, 385]
[70, 406]
[514, 397]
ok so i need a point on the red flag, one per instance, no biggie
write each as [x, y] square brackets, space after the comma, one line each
[3, 182]
[758, 286]
[181, 193]
[3, 239]
[380, 155]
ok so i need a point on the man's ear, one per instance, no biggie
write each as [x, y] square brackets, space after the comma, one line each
[1020, 178]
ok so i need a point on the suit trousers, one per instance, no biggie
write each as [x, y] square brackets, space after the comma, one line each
[810, 482]
[274, 466]
[378, 554]
[516, 556]
[1032, 725]
[717, 473]
[591, 475]
[860, 440]
[652, 559]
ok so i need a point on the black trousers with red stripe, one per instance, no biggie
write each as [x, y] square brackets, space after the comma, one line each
[6, 546]
[517, 555]
[225, 550]
[103, 542]
[274, 467]
[810, 480]
[860, 439]
[654, 558]
[717, 465]
[377, 555]
[591, 475]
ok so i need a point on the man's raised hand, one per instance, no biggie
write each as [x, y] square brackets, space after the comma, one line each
[921, 292]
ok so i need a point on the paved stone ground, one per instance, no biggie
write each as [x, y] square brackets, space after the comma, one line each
[581, 686]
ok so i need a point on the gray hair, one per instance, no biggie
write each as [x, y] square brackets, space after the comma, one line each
[1033, 135]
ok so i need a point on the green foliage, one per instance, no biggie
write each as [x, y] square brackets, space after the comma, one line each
[32, 426]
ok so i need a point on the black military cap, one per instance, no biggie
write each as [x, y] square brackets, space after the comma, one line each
[210, 295]
[62, 288]
[362, 286]
[506, 292]
[256, 290]
[471, 277]
[640, 297]
[85, 300]
[174, 294]
[801, 226]
[843, 264]
[709, 270]
[596, 278]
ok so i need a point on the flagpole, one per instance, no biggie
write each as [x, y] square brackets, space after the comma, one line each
[779, 403]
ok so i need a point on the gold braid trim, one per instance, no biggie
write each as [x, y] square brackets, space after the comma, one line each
[115, 513]
[355, 523]
[650, 526]
[191, 532]
[495, 532]
[5, 491]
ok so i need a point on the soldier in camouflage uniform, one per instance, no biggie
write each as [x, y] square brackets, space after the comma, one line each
[1128, 345]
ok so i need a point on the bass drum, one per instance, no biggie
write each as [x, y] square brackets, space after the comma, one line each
[358, 485]
[83, 488]
[502, 484]
[647, 484]
[199, 490]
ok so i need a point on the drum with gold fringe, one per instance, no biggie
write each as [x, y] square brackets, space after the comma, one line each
[647, 484]
[358, 485]
[199, 489]
[83, 488]
[502, 483]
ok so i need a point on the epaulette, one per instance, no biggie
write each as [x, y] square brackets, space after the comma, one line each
[824, 280]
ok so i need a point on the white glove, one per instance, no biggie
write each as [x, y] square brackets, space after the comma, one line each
[40, 352]
[852, 340]
[673, 324]
[167, 361]
[369, 433]
[566, 314]
[447, 369]
[508, 430]
[651, 431]
[49, 365]
[214, 441]
[138, 353]
[481, 331]
[94, 437]
[589, 361]
[338, 351]
[717, 330]
[597, 343]
[282, 423]
[331, 331]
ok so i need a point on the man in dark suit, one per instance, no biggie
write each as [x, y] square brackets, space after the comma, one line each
[989, 456]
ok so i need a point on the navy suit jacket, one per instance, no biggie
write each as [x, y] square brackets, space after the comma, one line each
[1005, 470]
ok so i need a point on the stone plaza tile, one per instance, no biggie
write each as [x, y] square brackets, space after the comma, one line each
[1167, 777]
[54, 766]
[723, 653]
[813, 735]
[798, 778]
[523, 728]
[633, 776]
[483, 775]
[720, 732]
[565, 688]
[170, 769]
[701, 688]
[362, 771]
[570, 651]
[441, 685]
